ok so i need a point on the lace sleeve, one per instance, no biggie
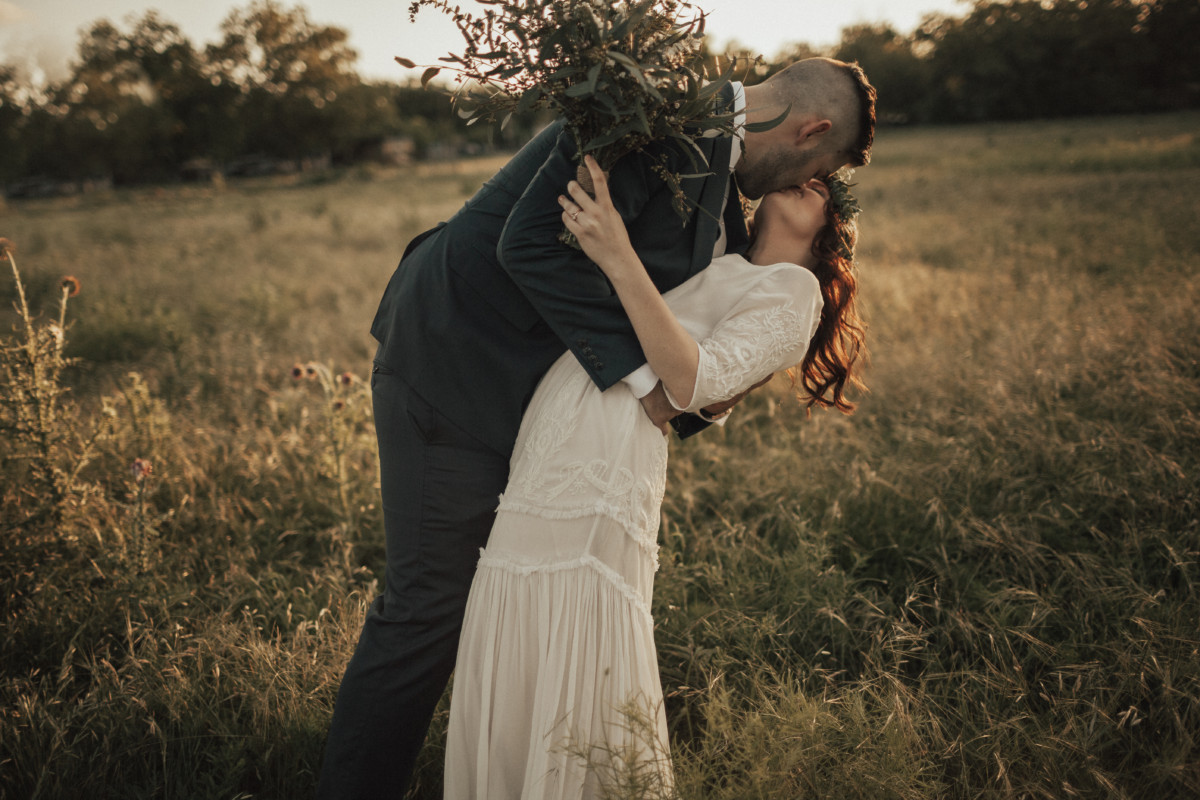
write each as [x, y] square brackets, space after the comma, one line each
[767, 330]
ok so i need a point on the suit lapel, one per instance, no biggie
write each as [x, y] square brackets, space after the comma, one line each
[712, 195]
[737, 237]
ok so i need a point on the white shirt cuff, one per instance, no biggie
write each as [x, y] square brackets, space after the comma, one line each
[641, 381]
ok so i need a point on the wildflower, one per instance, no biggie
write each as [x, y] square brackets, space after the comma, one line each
[338, 405]
[141, 468]
[6, 247]
[346, 378]
[71, 284]
[310, 371]
[297, 371]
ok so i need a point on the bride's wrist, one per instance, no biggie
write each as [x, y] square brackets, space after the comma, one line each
[623, 273]
[618, 264]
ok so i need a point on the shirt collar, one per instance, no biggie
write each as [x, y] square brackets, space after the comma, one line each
[739, 122]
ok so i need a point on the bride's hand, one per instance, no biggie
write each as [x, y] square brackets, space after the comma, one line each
[597, 225]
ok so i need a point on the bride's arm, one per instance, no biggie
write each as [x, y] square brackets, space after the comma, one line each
[670, 350]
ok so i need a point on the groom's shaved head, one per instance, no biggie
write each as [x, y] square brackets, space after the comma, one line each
[832, 90]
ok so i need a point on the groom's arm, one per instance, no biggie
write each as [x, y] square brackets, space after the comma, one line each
[562, 283]
[658, 407]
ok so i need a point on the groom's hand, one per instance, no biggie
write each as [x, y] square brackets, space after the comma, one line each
[725, 406]
[659, 409]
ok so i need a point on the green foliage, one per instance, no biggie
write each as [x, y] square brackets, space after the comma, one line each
[622, 75]
[983, 584]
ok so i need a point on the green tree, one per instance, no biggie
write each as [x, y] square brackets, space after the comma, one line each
[124, 111]
[1028, 59]
[1171, 29]
[895, 69]
[287, 72]
[14, 105]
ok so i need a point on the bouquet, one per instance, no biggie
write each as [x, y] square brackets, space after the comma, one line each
[621, 73]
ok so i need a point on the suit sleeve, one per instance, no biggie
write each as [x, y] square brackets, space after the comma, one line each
[562, 283]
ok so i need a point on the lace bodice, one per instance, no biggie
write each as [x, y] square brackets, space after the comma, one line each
[749, 321]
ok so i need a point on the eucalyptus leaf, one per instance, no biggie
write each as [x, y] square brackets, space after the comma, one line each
[759, 127]
[593, 75]
[605, 104]
[528, 98]
[610, 137]
[622, 59]
[564, 73]
[643, 122]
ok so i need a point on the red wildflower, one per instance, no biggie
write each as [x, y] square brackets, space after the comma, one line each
[71, 284]
[141, 468]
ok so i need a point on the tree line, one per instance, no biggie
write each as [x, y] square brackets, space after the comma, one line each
[142, 104]
[1035, 59]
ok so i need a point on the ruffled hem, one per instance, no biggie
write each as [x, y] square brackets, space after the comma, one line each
[585, 561]
[556, 693]
[644, 533]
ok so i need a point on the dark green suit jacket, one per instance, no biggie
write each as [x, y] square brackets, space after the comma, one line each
[483, 304]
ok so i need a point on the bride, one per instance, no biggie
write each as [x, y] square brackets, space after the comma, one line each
[556, 688]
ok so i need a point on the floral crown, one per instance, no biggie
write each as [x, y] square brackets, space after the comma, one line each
[841, 201]
[845, 208]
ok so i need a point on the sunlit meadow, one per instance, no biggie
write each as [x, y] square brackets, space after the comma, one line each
[983, 584]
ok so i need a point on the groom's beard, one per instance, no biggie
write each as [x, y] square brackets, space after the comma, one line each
[778, 167]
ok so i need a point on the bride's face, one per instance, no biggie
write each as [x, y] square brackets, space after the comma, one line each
[798, 210]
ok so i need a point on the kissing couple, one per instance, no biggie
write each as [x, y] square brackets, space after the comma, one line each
[521, 393]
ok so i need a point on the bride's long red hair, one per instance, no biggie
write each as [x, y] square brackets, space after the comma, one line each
[829, 366]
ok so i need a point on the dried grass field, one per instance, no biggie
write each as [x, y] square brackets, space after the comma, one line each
[983, 584]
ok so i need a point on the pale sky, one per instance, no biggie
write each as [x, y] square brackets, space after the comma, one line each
[41, 35]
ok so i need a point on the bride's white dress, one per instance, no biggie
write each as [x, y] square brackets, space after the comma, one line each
[556, 690]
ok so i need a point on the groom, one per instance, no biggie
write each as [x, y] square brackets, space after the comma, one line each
[478, 309]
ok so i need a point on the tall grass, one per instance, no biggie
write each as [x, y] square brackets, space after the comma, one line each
[982, 585]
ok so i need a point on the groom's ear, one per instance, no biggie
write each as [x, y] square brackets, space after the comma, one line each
[809, 134]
